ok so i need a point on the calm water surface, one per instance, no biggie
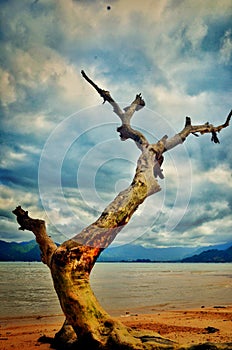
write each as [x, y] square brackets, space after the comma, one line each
[26, 289]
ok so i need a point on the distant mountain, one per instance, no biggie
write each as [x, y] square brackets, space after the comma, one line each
[217, 246]
[211, 255]
[133, 252]
[29, 251]
[24, 251]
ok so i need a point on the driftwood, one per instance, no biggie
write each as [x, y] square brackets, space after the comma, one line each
[87, 324]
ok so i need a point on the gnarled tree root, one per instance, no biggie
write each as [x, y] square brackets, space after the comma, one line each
[124, 339]
[120, 338]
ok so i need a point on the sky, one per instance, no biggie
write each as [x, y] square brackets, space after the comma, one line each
[61, 157]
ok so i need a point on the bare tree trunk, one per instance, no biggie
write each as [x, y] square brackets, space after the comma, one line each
[87, 324]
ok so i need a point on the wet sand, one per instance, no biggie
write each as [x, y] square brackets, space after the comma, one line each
[188, 326]
[183, 326]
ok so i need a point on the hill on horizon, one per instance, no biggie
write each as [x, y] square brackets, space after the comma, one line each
[24, 251]
[212, 255]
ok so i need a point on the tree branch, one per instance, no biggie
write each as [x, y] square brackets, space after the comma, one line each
[205, 128]
[46, 244]
[166, 144]
[104, 94]
[117, 214]
[103, 231]
[125, 130]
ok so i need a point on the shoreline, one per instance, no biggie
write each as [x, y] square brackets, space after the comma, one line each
[186, 327]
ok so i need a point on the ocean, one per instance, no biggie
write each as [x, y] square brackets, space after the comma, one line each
[26, 289]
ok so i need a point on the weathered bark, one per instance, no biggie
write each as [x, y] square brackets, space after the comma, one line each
[87, 324]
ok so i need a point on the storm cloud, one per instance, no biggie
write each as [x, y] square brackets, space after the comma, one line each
[61, 157]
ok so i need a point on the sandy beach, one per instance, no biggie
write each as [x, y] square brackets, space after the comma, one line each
[182, 326]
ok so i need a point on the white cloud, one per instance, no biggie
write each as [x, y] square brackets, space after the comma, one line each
[7, 88]
[175, 104]
[196, 31]
[29, 123]
[30, 149]
[11, 159]
[212, 232]
[220, 175]
[11, 197]
[226, 48]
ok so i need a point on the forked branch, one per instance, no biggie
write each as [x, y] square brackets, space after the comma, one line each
[46, 244]
[206, 128]
[125, 130]
[165, 143]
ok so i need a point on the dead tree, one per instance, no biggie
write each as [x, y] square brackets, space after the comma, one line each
[87, 324]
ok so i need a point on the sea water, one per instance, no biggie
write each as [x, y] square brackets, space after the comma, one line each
[26, 289]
